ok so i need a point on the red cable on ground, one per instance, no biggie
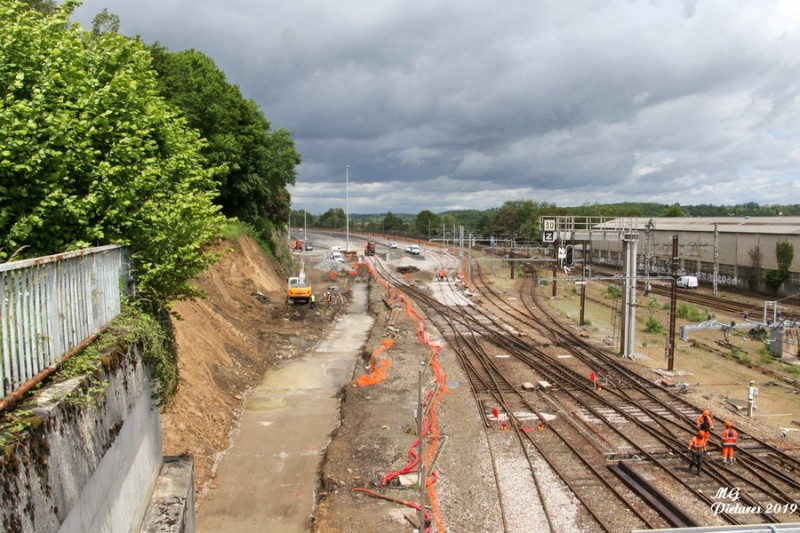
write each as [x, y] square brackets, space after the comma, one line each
[430, 423]
[395, 500]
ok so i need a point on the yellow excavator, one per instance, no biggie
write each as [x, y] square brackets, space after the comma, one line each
[299, 291]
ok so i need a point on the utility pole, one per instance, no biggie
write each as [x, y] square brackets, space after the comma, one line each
[583, 301]
[673, 302]
[716, 258]
[555, 265]
[347, 206]
[421, 450]
[469, 261]
[629, 242]
[648, 253]
[461, 241]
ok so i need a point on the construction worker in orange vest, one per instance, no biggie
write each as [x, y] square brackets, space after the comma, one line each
[729, 436]
[705, 423]
[697, 450]
[442, 275]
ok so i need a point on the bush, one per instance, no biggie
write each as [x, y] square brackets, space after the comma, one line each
[793, 370]
[653, 325]
[652, 303]
[690, 312]
[613, 292]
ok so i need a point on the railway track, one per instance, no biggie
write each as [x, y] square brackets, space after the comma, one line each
[561, 446]
[620, 422]
[709, 301]
[638, 400]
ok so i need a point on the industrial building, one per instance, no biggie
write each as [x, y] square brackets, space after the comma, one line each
[739, 249]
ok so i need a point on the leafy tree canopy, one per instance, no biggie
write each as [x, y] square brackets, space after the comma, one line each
[392, 222]
[426, 221]
[675, 210]
[43, 6]
[332, 218]
[516, 218]
[252, 164]
[92, 155]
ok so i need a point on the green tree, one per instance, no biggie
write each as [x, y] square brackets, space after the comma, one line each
[391, 222]
[426, 221]
[332, 218]
[675, 210]
[92, 155]
[300, 217]
[515, 219]
[43, 6]
[105, 22]
[252, 164]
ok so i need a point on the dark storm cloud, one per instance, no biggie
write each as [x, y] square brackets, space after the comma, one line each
[443, 105]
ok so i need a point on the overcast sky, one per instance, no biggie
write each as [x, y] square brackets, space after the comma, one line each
[468, 104]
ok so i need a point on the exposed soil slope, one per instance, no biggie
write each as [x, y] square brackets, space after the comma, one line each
[225, 343]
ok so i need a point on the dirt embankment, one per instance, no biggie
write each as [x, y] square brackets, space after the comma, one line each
[225, 344]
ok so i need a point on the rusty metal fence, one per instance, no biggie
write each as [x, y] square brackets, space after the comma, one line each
[51, 305]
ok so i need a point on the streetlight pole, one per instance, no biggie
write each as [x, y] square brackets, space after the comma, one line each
[347, 208]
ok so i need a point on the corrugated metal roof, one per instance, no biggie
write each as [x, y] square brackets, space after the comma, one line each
[763, 225]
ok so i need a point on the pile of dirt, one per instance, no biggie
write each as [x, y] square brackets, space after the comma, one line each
[225, 343]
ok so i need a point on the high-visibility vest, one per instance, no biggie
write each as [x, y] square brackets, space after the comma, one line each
[705, 423]
[697, 444]
[729, 437]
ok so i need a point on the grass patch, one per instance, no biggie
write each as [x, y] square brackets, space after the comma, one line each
[235, 229]
[690, 312]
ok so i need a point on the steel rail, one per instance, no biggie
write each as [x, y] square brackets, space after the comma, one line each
[436, 307]
[758, 488]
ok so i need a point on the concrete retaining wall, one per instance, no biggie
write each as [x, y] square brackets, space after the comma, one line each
[85, 468]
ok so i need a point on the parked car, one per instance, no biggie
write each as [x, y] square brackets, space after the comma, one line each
[415, 249]
[337, 256]
[392, 244]
[687, 282]
[337, 248]
[309, 246]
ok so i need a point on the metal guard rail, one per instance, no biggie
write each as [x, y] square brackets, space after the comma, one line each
[49, 306]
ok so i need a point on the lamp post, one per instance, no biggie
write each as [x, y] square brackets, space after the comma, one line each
[347, 208]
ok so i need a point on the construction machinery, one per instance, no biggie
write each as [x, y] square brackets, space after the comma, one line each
[369, 248]
[297, 245]
[299, 291]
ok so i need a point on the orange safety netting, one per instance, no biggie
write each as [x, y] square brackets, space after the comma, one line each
[379, 366]
[430, 424]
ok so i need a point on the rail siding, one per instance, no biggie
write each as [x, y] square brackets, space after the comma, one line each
[49, 305]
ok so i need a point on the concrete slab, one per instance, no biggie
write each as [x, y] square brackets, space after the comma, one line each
[283, 434]
[449, 293]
